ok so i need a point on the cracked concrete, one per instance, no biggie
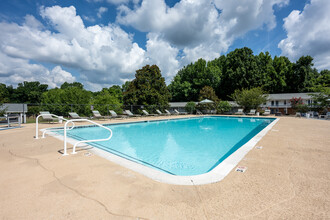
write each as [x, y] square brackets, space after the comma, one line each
[72, 189]
[287, 179]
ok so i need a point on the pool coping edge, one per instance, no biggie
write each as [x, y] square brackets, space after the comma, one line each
[215, 175]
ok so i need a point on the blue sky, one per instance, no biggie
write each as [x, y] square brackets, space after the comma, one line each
[103, 42]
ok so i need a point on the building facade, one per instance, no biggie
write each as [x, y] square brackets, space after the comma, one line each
[276, 103]
[281, 102]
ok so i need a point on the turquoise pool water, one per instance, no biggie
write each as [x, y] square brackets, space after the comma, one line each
[181, 147]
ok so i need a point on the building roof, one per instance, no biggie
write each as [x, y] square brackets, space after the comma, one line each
[183, 104]
[14, 107]
[179, 104]
[280, 96]
[288, 96]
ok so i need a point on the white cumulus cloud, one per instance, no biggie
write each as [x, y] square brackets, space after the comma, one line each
[101, 11]
[203, 28]
[115, 2]
[102, 54]
[162, 54]
[308, 33]
[16, 70]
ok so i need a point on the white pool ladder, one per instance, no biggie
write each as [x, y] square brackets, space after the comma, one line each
[66, 129]
[37, 125]
[84, 141]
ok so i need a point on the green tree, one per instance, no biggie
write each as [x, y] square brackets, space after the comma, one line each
[284, 71]
[125, 86]
[268, 77]
[71, 98]
[180, 90]
[4, 97]
[52, 101]
[207, 92]
[321, 98]
[70, 85]
[323, 79]
[304, 76]
[249, 98]
[4, 93]
[148, 88]
[240, 71]
[105, 101]
[117, 92]
[187, 84]
[29, 92]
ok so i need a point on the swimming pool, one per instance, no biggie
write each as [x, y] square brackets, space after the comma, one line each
[181, 147]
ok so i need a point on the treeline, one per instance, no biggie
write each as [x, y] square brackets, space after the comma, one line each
[240, 69]
[69, 97]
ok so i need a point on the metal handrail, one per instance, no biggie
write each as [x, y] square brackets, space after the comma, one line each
[51, 129]
[84, 141]
[37, 121]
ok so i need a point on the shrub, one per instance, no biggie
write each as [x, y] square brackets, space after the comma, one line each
[295, 102]
[190, 107]
[223, 106]
[249, 98]
[303, 108]
[321, 98]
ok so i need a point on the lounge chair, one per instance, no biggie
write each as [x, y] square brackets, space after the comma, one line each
[239, 112]
[130, 114]
[252, 112]
[145, 113]
[47, 117]
[327, 115]
[98, 115]
[198, 112]
[175, 112]
[168, 112]
[267, 112]
[180, 113]
[74, 115]
[115, 115]
[161, 113]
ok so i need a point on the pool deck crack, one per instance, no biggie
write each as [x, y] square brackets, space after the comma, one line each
[73, 189]
[200, 199]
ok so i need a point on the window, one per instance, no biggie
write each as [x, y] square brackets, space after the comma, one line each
[284, 102]
[276, 103]
[272, 103]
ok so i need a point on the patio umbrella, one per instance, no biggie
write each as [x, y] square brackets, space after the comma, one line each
[205, 101]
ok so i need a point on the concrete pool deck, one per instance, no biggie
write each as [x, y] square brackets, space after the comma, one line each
[289, 178]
